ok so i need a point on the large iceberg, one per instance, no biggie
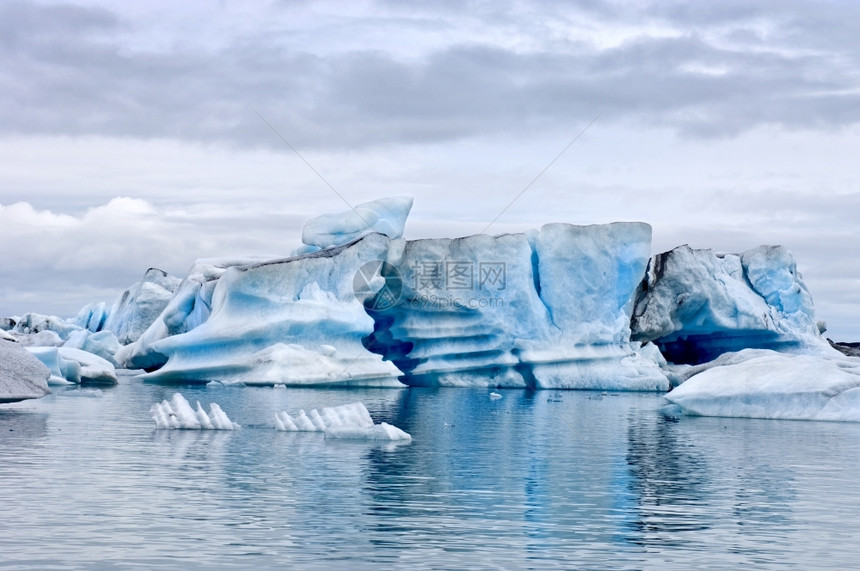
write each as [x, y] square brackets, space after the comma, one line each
[571, 307]
[545, 309]
[22, 376]
[548, 309]
[761, 383]
[696, 305]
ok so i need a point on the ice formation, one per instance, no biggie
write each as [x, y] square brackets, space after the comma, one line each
[68, 365]
[696, 305]
[348, 421]
[762, 383]
[386, 216]
[294, 321]
[22, 376]
[569, 307]
[140, 305]
[177, 413]
[547, 309]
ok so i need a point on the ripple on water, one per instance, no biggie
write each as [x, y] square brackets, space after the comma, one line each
[520, 481]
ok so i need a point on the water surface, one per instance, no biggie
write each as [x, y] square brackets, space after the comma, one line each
[531, 480]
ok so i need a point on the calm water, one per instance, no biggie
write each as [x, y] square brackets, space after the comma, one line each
[532, 480]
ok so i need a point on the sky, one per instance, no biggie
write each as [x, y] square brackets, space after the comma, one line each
[150, 134]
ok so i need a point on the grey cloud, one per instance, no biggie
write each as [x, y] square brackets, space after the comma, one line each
[78, 76]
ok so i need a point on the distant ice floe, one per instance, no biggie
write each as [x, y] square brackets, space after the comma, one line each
[348, 422]
[177, 413]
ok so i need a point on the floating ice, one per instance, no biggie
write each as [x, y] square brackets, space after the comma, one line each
[177, 413]
[348, 421]
[68, 365]
[564, 307]
[696, 305]
[761, 383]
[139, 306]
[295, 321]
[547, 309]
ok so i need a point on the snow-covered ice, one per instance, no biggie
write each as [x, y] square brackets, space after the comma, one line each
[762, 383]
[348, 421]
[178, 413]
[386, 216]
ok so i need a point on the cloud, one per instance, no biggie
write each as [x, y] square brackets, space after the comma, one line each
[56, 263]
[705, 72]
[725, 125]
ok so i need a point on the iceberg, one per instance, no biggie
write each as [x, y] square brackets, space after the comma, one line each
[68, 365]
[762, 383]
[177, 413]
[386, 216]
[346, 422]
[189, 306]
[696, 305]
[294, 321]
[562, 307]
[139, 306]
[22, 376]
[548, 309]
[35, 330]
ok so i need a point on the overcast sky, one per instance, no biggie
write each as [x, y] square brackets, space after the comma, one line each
[130, 133]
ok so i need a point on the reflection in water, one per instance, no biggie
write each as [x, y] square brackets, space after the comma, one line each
[534, 479]
[669, 478]
[20, 430]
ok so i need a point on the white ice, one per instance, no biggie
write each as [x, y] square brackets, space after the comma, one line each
[178, 413]
[348, 421]
[68, 365]
[386, 216]
[761, 383]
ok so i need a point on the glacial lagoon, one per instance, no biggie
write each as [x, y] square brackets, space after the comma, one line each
[534, 479]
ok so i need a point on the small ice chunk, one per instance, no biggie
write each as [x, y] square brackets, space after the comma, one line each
[348, 421]
[382, 431]
[177, 413]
